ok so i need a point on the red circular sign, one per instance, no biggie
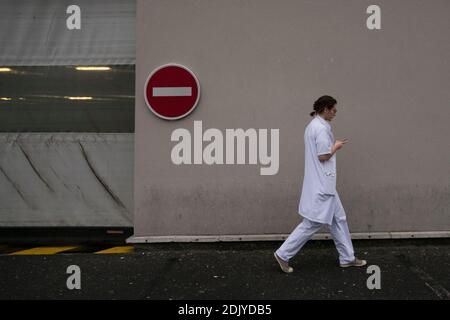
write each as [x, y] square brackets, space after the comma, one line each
[172, 91]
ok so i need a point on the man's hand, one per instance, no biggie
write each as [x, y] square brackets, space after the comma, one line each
[340, 143]
[337, 145]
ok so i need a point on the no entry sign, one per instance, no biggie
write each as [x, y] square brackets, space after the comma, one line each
[172, 91]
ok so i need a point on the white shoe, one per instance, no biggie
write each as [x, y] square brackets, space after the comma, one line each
[284, 265]
[354, 263]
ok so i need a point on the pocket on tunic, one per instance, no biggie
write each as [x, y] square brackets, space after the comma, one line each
[329, 183]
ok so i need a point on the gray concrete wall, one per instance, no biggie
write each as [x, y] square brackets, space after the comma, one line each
[261, 64]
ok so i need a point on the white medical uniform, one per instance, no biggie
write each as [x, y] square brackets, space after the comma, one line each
[319, 203]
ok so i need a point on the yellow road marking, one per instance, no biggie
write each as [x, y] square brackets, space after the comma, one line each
[43, 250]
[121, 249]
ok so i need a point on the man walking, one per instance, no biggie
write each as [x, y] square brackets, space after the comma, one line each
[320, 203]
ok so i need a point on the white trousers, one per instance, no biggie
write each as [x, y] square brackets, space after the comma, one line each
[307, 228]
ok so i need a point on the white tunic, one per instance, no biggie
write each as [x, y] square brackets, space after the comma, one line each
[319, 201]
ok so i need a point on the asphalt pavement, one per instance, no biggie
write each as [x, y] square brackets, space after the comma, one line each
[408, 269]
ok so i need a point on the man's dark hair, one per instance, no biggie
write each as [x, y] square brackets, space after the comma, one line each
[323, 102]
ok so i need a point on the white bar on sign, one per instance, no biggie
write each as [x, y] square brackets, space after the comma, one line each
[172, 91]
